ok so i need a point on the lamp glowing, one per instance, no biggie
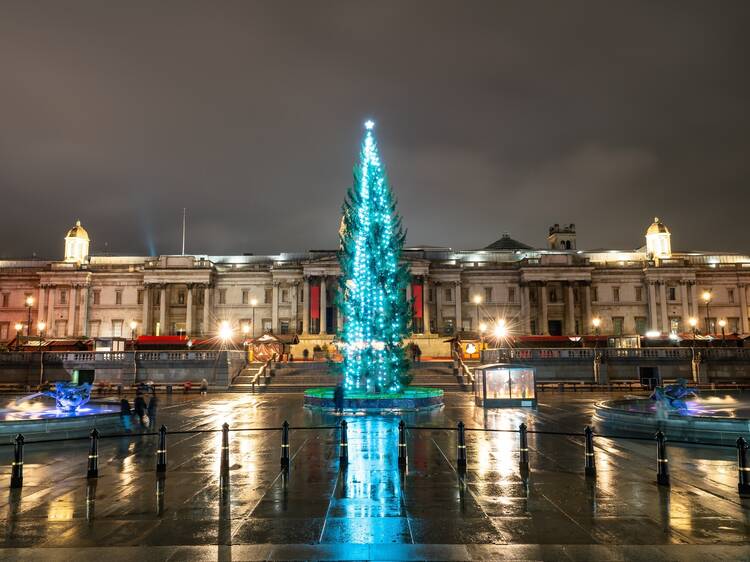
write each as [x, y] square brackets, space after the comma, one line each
[40, 326]
[501, 330]
[133, 325]
[596, 322]
[693, 322]
[225, 330]
[653, 334]
[477, 299]
[483, 327]
[246, 328]
[722, 323]
[18, 326]
[253, 302]
[706, 296]
[29, 301]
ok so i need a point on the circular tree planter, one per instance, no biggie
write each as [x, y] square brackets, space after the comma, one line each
[415, 398]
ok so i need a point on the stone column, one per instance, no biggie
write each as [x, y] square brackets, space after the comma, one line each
[306, 306]
[652, 324]
[684, 303]
[663, 307]
[294, 296]
[83, 324]
[275, 308]
[525, 309]
[189, 310]
[72, 310]
[587, 316]
[146, 326]
[426, 306]
[694, 299]
[457, 298]
[438, 307]
[743, 309]
[323, 305]
[40, 306]
[207, 310]
[163, 304]
[544, 323]
[570, 315]
[52, 294]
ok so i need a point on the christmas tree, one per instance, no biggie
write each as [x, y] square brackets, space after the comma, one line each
[372, 286]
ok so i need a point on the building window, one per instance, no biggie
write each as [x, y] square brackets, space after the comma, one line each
[615, 294]
[180, 297]
[157, 298]
[464, 294]
[730, 296]
[641, 325]
[94, 328]
[431, 294]
[285, 299]
[672, 293]
[617, 325]
[552, 294]
[267, 296]
[511, 294]
[638, 294]
[448, 294]
[6, 300]
[733, 325]
[97, 296]
[140, 296]
[674, 325]
[63, 296]
[4, 327]
[284, 326]
[118, 296]
[245, 296]
[488, 294]
[594, 294]
[116, 328]
[267, 324]
[222, 296]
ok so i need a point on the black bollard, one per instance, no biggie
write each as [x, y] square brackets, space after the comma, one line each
[523, 448]
[461, 447]
[16, 474]
[589, 461]
[161, 451]
[662, 462]
[743, 485]
[285, 445]
[343, 446]
[401, 445]
[93, 465]
[225, 448]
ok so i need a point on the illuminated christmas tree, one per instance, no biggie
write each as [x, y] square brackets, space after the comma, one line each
[372, 286]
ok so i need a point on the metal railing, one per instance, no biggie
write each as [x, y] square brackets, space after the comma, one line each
[588, 435]
[613, 354]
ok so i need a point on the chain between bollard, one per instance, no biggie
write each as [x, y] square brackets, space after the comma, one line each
[523, 448]
[93, 462]
[589, 463]
[461, 447]
[402, 457]
[343, 446]
[16, 475]
[285, 445]
[161, 451]
[743, 484]
[662, 461]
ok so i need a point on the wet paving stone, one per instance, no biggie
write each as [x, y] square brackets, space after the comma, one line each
[371, 510]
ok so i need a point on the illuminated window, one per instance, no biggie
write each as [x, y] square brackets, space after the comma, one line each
[618, 322]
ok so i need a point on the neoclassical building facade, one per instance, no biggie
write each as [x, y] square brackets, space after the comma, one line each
[558, 290]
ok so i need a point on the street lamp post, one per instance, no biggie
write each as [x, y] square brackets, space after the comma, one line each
[29, 304]
[723, 325]
[693, 324]
[596, 322]
[133, 326]
[477, 301]
[40, 326]
[706, 296]
[253, 304]
[18, 327]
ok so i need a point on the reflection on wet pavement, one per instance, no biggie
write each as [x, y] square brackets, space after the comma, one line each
[371, 502]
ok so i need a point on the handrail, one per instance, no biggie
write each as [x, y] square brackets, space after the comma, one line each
[463, 367]
[261, 372]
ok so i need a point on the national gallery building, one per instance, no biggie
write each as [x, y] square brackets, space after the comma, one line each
[558, 290]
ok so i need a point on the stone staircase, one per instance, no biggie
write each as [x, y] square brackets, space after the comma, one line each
[285, 379]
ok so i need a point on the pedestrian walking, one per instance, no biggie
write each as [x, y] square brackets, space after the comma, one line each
[204, 386]
[139, 405]
[338, 399]
[417, 353]
[125, 414]
[153, 404]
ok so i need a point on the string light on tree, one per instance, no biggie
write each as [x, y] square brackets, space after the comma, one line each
[373, 283]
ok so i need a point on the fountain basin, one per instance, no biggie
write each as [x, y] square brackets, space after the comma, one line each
[37, 419]
[410, 399]
[710, 419]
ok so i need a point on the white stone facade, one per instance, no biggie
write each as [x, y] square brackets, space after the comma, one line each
[549, 291]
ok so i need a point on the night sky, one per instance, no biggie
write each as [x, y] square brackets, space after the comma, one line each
[492, 117]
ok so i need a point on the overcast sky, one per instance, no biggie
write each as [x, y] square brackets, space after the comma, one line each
[492, 117]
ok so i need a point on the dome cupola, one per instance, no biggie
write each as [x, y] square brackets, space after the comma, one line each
[77, 244]
[658, 243]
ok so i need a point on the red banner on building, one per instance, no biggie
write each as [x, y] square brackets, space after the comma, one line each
[315, 302]
[416, 293]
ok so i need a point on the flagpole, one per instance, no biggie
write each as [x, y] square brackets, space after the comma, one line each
[183, 230]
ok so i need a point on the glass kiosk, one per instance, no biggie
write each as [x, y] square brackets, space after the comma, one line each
[502, 385]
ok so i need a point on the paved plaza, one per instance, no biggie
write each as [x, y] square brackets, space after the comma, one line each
[371, 510]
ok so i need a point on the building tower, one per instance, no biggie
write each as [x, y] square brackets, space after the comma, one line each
[658, 245]
[562, 237]
[77, 244]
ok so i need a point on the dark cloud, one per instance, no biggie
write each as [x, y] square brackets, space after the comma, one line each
[492, 117]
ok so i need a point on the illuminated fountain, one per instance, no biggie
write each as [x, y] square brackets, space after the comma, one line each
[72, 413]
[680, 413]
